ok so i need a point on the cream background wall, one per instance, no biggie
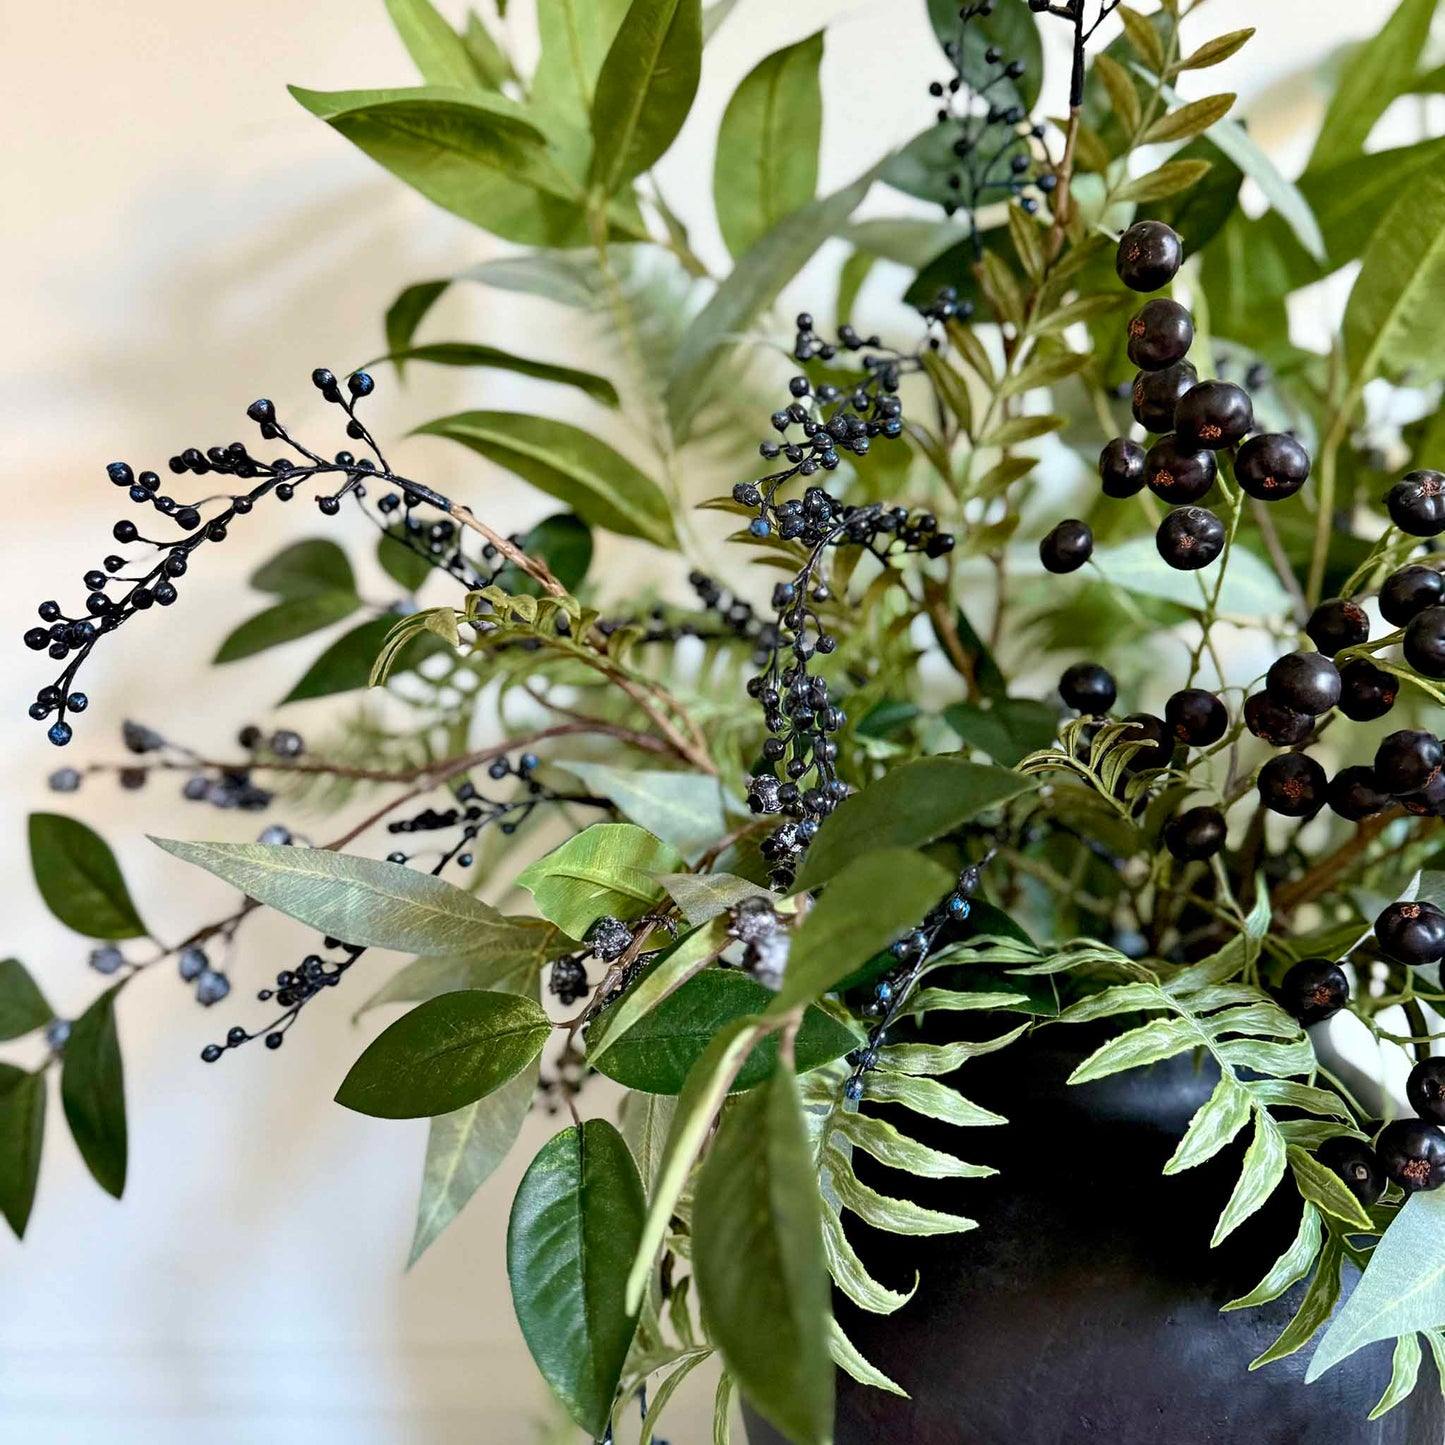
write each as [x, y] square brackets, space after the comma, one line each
[178, 237]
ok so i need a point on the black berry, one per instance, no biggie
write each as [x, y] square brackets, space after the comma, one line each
[1121, 468]
[1151, 731]
[1425, 642]
[1190, 538]
[1314, 989]
[1271, 467]
[1416, 503]
[1088, 688]
[1196, 717]
[1411, 932]
[1407, 760]
[1293, 784]
[1195, 834]
[1156, 394]
[1425, 1089]
[1412, 1154]
[1366, 691]
[1214, 414]
[1409, 592]
[1160, 334]
[1356, 1164]
[1067, 547]
[1356, 793]
[1304, 682]
[1149, 256]
[1337, 624]
[1177, 474]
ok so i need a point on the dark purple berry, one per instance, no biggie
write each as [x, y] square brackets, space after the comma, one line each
[1195, 834]
[1411, 932]
[1160, 334]
[1271, 467]
[1270, 722]
[1407, 760]
[1121, 468]
[1293, 784]
[1355, 793]
[1149, 256]
[1366, 691]
[1190, 538]
[1314, 990]
[1151, 731]
[1088, 688]
[1214, 414]
[1429, 802]
[1156, 394]
[1304, 682]
[1337, 624]
[1425, 642]
[1178, 475]
[1425, 1089]
[1356, 1165]
[1408, 592]
[1412, 1154]
[1416, 503]
[1067, 547]
[1196, 717]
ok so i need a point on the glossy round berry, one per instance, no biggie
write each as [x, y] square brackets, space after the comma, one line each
[1195, 834]
[60, 733]
[1067, 547]
[261, 410]
[1214, 414]
[360, 383]
[1088, 688]
[192, 963]
[1425, 1089]
[1178, 474]
[1337, 624]
[1190, 538]
[1271, 467]
[1407, 760]
[1281, 726]
[211, 987]
[1160, 334]
[1355, 793]
[1366, 691]
[1121, 468]
[1416, 503]
[1411, 932]
[1355, 1164]
[1293, 784]
[1196, 717]
[1408, 592]
[1412, 1154]
[1425, 642]
[1156, 394]
[1305, 682]
[37, 639]
[1429, 802]
[1314, 990]
[1149, 256]
[1150, 730]
[124, 531]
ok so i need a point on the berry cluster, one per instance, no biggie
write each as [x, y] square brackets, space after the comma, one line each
[115, 594]
[608, 941]
[754, 923]
[997, 150]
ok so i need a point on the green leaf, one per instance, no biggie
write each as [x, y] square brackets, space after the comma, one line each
[1402, 1289]
[1200, 211]
[464, 1149]
[1325, 1189]
[1214, 1124]
[767, 144]
[645, 88]
[928, 1098]
[1143, 37]
[866, 907]
[896, 1216]
[890, 1146]
[848, 1358]
[1214, 52]
[285, 622]
[1189, 119]
[1375, 73]
[657, 1053]
[22, 1135]
[753, 285]
[468, 353]
[408, 311]
[435, 48]
[473, 153]
[488, 58]
[1291, 1267]
[599, 484]
[359, 900]
[849, 1272]
[683, 809]
[645, 1120]
[574, 1229]
[702, 1096]
[311, 568]
[1008, 731]
[80, 880]
[346, 665]
[92, 1091]
[1264, 1165]
[1404, 1371]
[1388, 327]
[445, 1054]
[406, 565]
[1167, 180]
[758, 1257]
[1148, 1044]
[1251, 588]
[576, 36]
[702, 896]
[908, 807]
[1316, 1307]
[22, 1006]
[609, 868]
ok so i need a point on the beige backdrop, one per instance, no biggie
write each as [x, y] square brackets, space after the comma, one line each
[179, 237]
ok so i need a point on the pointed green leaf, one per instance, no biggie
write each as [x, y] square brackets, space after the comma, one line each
[1264, 1165]
[22, 1006]
[890, 1146]
[310, 568]
[848, 1358]
[285, 622]
[92, 1091]
[927, 1097]
[469, 353]
[435, 48]
[22, 1136]
[1291, 1267]
[346, 665]
[1214, 1124]
[702, 896]
[1008, 731]
[1404, 1371]
[445, 1054]
[851, 1275]
[1324, 1188]
[684, 809]
[79, 879]
[897, 1216]
[1316, 1307]
[1149, 1044]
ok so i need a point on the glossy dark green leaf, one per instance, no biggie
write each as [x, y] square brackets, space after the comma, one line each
[564, 543]
[574, 1229]
[599, 484]
[910, 806]
[445, 1054]
[767, 144]
[435, 48]
[92, 1091]
[609, 868]
[285, 622]
[867, 905]
[22, 1135]
[80, 880]
[359, 900]
[468, 353]
[683, 809]
[758, 1256]
[346, 665]
[645, 88]
[657, 1052]
[752, 286]
[311, 568]
[1008, 730]
[22, 1006]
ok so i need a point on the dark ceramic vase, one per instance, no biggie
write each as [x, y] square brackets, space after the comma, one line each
[1085, 1307]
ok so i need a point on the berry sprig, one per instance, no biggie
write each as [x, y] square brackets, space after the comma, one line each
[115, 595]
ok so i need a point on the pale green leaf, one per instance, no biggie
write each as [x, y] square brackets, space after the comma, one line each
[1264, 1166]
[683, 809]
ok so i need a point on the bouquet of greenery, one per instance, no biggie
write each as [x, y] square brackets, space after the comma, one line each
[773, 838]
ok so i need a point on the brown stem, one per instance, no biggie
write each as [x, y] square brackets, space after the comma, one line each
[534, 567]
[1320, 877]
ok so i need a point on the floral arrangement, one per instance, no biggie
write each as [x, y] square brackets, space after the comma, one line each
[771, 839]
